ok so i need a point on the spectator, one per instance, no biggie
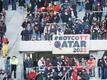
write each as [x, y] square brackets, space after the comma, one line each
[41, 65]
[40, 3]
[30, 30]
[99, 14]
[56, 17]
[78, 28]
[35, 63]
[21, 3]
[5, 46]
[104, 74]
[74, 6]
[47, 32]
[105, 22]
[53, 30]
[94, 31]
[54, 61]
[8, 67]
[54, 74]
[5, 4]
[87, 6]
[56, 7]
[67, 30]
[71, 62]
[83, 63]
[32, 75]
[100, 67]
[2, 28]
[27, 3]
[1, 6]
[37, 30]
[103, 31]
[33, 3]
[2, 75]
[78, 66]
[82, 5]
[85, 75]
[59, 70]
[28, 64]
[74, 75]
[93, 67]
[24, 24]
[13, 4]
[65, 16]
[59, 30]
[64, 6]
[25, 35]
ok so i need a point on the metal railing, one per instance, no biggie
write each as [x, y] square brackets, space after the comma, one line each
[94, 36]
[94, 72]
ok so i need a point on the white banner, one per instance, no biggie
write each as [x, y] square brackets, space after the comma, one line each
[71, 44]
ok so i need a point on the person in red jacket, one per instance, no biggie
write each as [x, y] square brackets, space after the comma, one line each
[56, 7]
[5, 40]
[78, 66]
[74, 75]
[32, 75]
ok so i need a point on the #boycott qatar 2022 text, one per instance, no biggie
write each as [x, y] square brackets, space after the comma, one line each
[78, 43]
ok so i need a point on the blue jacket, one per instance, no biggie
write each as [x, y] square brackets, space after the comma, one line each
[28, 63]
[7, 66]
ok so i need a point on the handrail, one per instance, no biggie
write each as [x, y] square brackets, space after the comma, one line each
[65, 75]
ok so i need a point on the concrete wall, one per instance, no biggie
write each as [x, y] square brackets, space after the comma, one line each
[47, 45]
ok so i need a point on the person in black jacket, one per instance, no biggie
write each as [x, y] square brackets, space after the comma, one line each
[1, 6]
[25, 35]
[2, 28]
[85, 75]
[22, 3]
[40, 3]
[104, 69]
[100, 66]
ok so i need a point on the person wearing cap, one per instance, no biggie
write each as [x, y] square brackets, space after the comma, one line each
[14, 63]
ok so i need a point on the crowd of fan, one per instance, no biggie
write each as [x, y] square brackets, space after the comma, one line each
[41, 23]
[3, 75]
[65, 68]
[3, 39]
[2, 23]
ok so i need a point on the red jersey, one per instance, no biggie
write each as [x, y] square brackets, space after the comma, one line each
[74, 75]
[32, 75]
[56, 8]
[78, 66]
